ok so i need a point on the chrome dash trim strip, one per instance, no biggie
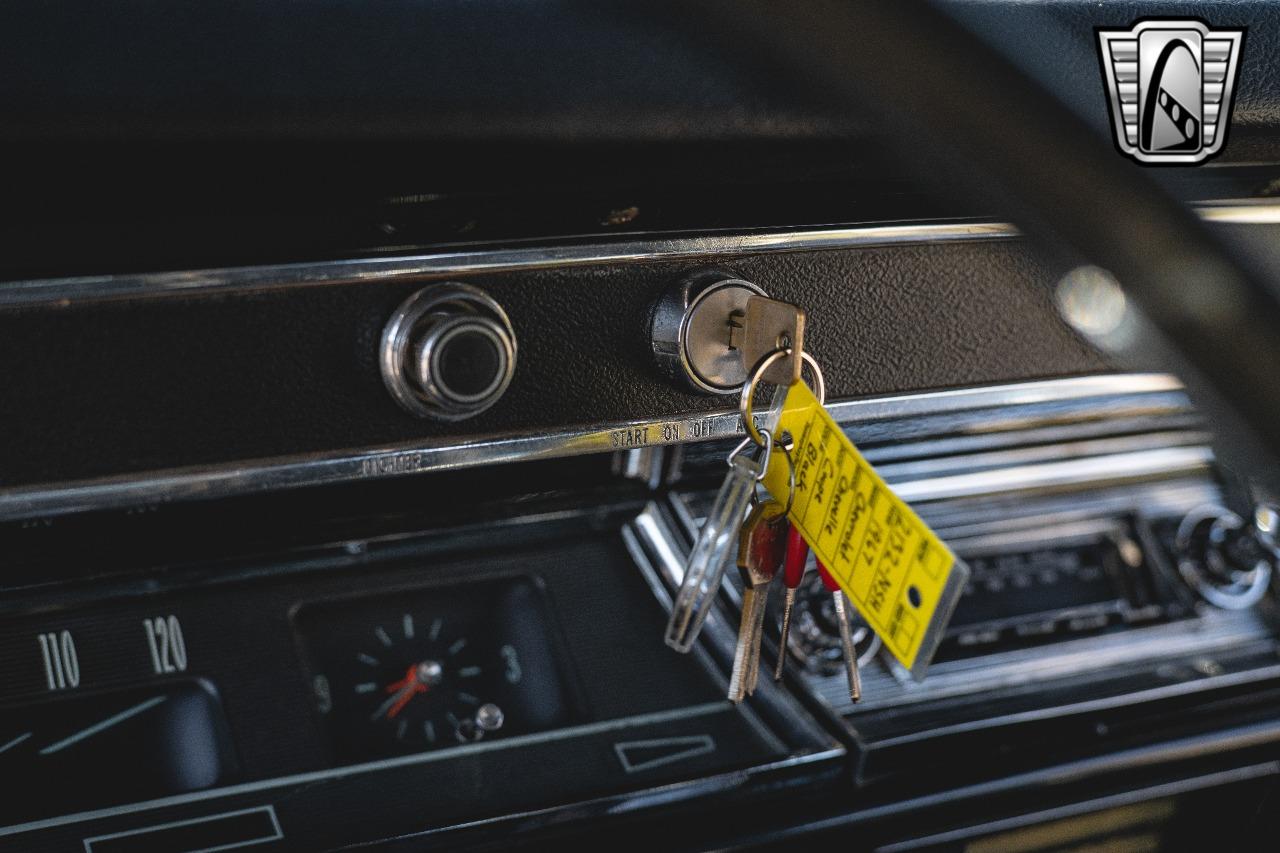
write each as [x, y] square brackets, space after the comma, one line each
[63, 291]
[996, 396]
[465, 261]
[1260, 212]
[1095, 471]
[262, 475]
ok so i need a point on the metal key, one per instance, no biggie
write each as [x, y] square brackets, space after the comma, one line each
[767, 325]
[710, 556]
[846, 633]
[793, 568]
[772, 561]
[760, 551]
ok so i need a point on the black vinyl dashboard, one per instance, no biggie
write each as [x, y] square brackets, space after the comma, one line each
[347, 479]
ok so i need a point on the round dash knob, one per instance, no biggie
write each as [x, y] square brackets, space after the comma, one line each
[448, 352]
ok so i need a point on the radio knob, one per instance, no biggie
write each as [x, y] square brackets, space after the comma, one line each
[448, 352]
[1227, 561]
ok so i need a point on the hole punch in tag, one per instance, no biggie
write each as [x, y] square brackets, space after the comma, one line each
[903, 579]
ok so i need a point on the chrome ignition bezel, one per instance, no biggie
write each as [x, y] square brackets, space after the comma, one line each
[669, 331]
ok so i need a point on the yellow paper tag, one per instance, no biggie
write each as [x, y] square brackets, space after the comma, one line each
[902, 578]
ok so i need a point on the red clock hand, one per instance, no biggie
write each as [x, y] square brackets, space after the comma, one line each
[404, 689]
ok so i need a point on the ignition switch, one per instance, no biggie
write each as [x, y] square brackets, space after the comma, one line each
[710, 329]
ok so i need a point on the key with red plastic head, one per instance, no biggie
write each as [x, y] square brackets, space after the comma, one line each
[846, 633]
[760, 550]
[793, 569]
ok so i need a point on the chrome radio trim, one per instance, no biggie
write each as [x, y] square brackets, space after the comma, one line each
[262, 475]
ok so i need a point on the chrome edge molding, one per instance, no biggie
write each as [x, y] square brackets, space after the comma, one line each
[1259, 212]
[1103, 470]
[151, 487]
[65, 291]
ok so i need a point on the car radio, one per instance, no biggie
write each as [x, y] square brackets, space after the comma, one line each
[1087, 578]
[1068, 516]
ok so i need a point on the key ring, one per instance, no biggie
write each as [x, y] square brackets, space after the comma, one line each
[763, 462]
[764, 469]
[749, 389]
